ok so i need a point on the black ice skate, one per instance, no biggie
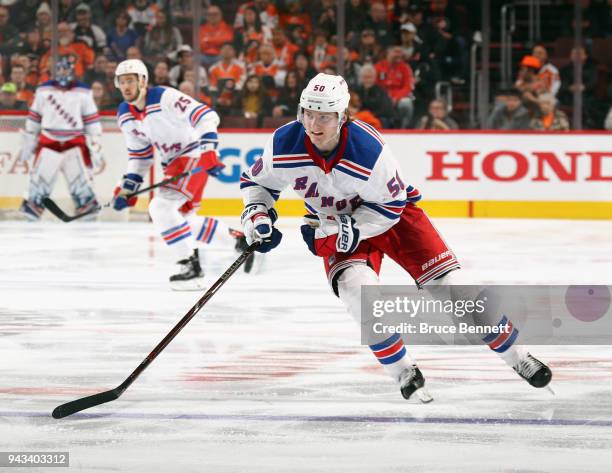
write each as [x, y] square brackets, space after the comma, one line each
[533, 371]
[411, 382]
[190, 277]
[241, 245]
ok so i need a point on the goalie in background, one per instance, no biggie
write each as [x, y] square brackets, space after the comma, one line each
[62, 114]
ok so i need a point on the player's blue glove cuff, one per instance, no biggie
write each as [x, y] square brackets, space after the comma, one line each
[129, 184]
[308, 234]
[271, 242]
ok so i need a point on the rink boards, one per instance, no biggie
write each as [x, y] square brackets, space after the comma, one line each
[460, 174]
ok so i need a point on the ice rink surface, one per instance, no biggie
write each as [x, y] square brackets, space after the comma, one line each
[270, 376]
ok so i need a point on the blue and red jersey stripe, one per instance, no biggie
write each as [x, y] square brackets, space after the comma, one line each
[197, 113]
[389, 351]
[176, 234]
[207, 232]
[504, 339]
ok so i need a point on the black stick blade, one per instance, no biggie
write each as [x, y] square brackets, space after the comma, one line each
[55, 210]
[59, 213]
[85, 403]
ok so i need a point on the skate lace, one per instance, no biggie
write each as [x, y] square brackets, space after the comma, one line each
[529, 366]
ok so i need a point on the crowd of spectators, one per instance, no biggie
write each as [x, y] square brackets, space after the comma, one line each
[256, 56]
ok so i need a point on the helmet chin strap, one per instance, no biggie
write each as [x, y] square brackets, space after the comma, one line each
[341, 121]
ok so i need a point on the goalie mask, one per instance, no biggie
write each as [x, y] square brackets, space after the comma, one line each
[325, 93]
[137, 67]
[64, 71]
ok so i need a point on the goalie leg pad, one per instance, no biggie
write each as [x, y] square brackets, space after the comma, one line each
[79, 179]
[43, 175]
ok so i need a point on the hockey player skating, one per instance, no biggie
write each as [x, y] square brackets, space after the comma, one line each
[62, 114]
[360, 209]
[183, 133]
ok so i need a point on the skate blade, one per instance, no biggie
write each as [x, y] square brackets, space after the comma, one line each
[423, 395]
[193, 285]
[550, 390]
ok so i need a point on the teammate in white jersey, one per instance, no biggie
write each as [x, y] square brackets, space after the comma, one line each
[359, 210]
[62, 114]
[183, 134]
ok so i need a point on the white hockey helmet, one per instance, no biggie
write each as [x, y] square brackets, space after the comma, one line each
[325, 93]
[132, 66]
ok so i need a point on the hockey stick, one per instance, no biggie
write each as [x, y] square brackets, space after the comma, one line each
[78, 405]
[59, 213]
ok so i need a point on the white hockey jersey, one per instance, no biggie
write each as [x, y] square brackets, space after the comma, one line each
[361, 178]
[172, 123]
[62, 113]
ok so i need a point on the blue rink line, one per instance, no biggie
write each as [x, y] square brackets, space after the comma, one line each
[298, 418]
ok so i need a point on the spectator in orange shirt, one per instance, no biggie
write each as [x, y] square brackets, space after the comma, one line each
[294, 16]
[395, 76]
[83, 54]
[285, 49]
[548, 73]
[268, 69]
[227, 68]
[529, 83]
[213, 35]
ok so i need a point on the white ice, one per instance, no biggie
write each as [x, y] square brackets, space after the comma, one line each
[270, 376]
